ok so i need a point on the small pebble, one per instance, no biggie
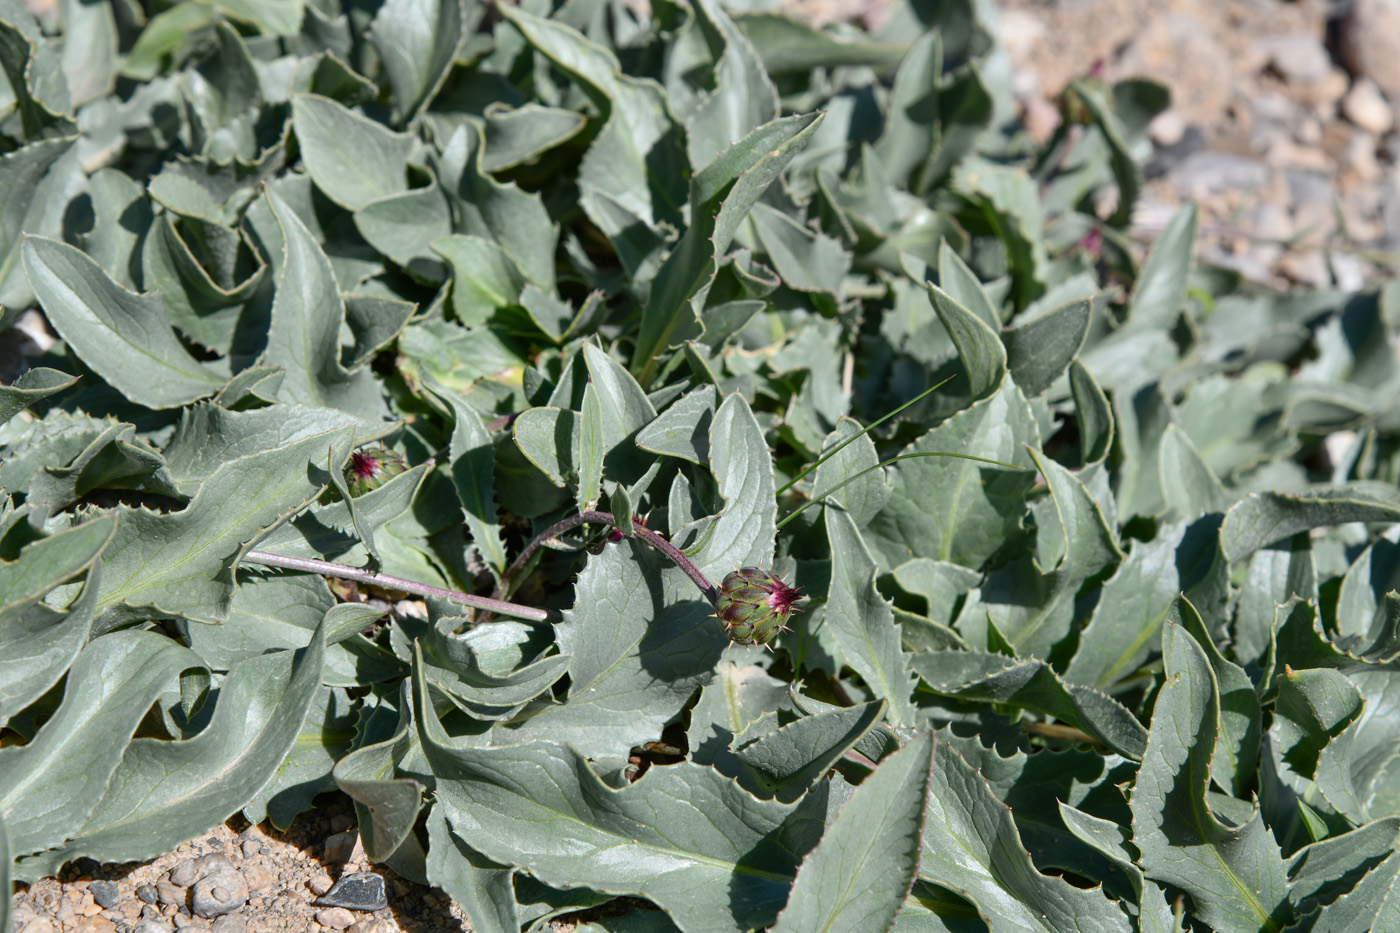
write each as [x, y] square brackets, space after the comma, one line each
[250, 848]
[95, 924]
[337, 918]
[39, 925]
[92, 910]
[257, 875]
[152, 926]
[230, 923]
[338, 848]
[184, 874]
[319, 883]
[361, 890]
[220, 892]
[1300, 58]
[341, 822]
[105, 893]
[1367, 108]
[147, 893]
[215, 842]
[169, 892]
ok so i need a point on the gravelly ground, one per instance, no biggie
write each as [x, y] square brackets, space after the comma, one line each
[284, 874]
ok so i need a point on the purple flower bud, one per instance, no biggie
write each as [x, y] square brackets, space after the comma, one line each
[371, 468]
[755, 604]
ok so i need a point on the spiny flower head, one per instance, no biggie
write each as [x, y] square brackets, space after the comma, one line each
[371, 468]
[754, 605]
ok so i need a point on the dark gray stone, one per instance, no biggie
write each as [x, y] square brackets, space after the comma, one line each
[361, 890]
[105, 893]
[147, 893]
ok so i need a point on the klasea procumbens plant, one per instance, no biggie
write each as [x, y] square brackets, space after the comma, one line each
[425, 367]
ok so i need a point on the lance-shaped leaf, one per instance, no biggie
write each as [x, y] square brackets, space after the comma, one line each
[1094, 414]
[114, 460]
[325, 737]
[806, 260]
[164, 793]
[1329, 732]
[354, 160]
[6, 858]
[617, 178]
[1110, 840]
[982, 353]
[1235, 875]
[417, 42]
[972, 847]
[549, 438]
[683, 429]
[862, 497]
[1125, 629]
[484, 889]
[473, 462]
[980, 505]
[1039, 351]
[729, 704]
[501, 213]
[387, 805]
[785, 763]
[1033, 684]
[685, 837]
[126, 338]
[962, 284]
[36, 79]
[1189, 485]
[270, 613]
[1349, 883]
[1031, 602]
[307, 317]
[742, 534]
[1236, 757]
[52, 784]
[592, 448]
[910, 124]
[30, 387]
[862, 620]
[1008, 198]
[720, 198]
[1371, 576]
[179, 562]
[491, 670]
[1274, 575]
[622, 410]
[858, 875]
[38, 641]
[642, 640]
[209, 434]
[1160, 288]
[329, 531]
[1268, 517]
[20, 173]
[744, 96]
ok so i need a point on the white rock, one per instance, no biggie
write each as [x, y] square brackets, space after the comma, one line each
[1365, 106]
[1167, 128]
[1021, 31]
[1299, 57]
